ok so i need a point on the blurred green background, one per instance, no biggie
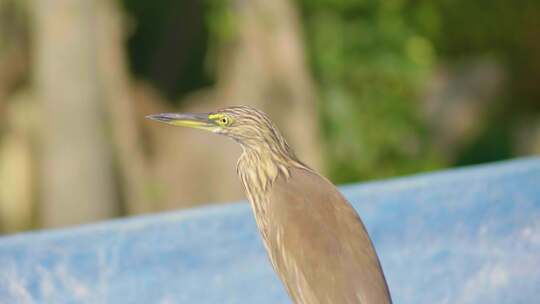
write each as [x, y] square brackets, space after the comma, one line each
[362, 89]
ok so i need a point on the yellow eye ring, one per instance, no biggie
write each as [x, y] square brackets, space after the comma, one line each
[223, 121]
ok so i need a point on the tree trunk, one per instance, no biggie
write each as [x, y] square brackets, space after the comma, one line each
[17, 165]
[76, 176]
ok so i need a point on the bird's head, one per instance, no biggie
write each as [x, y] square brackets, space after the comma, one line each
[248, 126]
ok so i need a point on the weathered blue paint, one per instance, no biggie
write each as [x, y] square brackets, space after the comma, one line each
[459, 236]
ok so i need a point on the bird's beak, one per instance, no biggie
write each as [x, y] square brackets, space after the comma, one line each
[197, 121]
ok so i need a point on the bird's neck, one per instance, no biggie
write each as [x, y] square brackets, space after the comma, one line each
[258, 169]
[259, 166]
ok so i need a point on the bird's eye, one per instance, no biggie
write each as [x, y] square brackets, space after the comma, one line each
[224, 121]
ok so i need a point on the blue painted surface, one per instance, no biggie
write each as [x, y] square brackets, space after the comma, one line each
[460, 236]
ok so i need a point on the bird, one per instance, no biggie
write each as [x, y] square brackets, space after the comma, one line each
[315, 240]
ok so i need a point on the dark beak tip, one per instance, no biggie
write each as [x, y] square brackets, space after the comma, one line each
[181, 119]
[151, 117]
[157, 117]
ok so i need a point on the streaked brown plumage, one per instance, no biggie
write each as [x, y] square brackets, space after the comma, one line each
[315, 240]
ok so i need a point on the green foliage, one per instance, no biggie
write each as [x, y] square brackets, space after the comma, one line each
[370, 60]
[509, 32]
[168, 44]
[220, 20]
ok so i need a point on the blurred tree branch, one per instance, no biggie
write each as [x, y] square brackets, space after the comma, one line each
[120, 107]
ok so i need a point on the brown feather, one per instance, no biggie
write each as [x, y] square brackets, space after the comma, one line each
[318, 244]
